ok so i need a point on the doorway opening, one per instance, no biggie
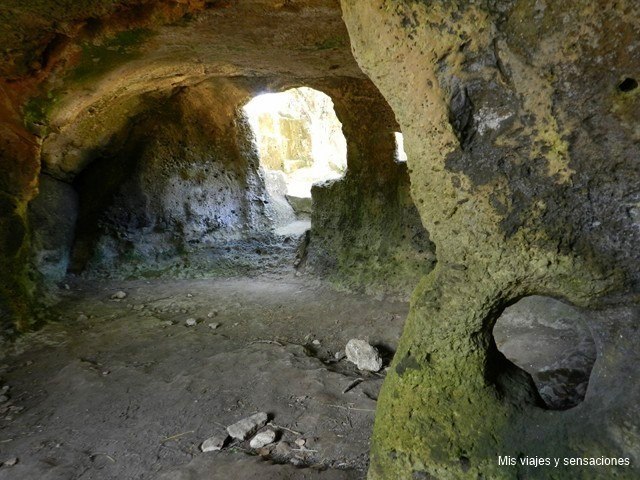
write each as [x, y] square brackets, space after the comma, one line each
[300, 143]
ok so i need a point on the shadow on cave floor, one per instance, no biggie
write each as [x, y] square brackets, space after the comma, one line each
[123, 389]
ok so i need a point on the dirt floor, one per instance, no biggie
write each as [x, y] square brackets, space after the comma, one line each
[123, 389]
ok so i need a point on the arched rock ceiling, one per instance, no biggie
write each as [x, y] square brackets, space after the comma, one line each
[106, 62]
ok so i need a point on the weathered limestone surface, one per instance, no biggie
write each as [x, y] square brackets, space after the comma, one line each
[185, 181]
[520, 120]
[52, 217]
[523, 156]
[366, 233]
[96, 94]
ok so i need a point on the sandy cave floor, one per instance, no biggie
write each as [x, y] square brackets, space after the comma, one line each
[124, 389]
[119, 394]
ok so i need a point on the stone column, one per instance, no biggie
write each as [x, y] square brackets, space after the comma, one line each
[510, 110]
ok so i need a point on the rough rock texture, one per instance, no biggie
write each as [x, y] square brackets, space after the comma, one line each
[366, 233]
[364, 355]
[263, 438]
[243, 429]
[520, 121]
[94, 92]
[522, 150]
[52, 218]
[213, 444]
[185, 183]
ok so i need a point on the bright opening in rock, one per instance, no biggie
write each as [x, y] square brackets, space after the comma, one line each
[551, 341]
[401, 155]
[299, 141]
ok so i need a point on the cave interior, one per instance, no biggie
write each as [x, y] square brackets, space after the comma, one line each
[403, 232]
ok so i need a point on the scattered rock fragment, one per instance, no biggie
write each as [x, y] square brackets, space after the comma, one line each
[119, 295]
[82, 318]
[246, 427]
[167, 323]
[316, 342]
[4, 398]
[263, 439]
[365, 356]
[191, 322]
[214, 444]
[213, 326]
[339, 355]
[10, 463]
[300, 442]
[213, 313]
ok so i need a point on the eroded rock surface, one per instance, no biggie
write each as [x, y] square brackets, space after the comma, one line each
[520, 122]
[135, 105]
[364, 355]
[522, 151]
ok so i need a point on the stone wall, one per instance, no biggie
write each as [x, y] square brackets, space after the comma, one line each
[52, 220]
[366, 233]
[78, 94]
[178, 191]
[522, 152]
[184, 185]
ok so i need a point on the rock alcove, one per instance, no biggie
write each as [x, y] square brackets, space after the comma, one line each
[160, 278]
[551, 341]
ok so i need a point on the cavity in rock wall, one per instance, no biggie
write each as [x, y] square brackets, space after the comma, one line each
[52, 219]
[185, 192]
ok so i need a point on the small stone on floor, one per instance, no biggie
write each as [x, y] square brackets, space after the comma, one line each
[364, 355]
[213, 444]
[246, 427]
[263, 439]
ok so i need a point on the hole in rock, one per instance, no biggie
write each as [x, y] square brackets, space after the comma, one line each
[628, 84]
[551, 341]
[401, 155]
